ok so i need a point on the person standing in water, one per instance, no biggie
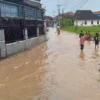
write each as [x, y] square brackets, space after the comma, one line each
[89, 36]
[82, 40]
[81, 34]
[96, 40]
[58, 31]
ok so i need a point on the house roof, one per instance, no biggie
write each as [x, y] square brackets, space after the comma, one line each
[97, 12]
[48, 18]
[85, 15]
[68, 14]
[35, 3]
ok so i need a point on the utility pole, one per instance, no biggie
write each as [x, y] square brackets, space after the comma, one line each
[53, 17]
[76, 21]
[76, 18]
[59, 12]
[62, 17]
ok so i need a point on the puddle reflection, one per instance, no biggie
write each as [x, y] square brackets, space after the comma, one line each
[96, 53]
[82, 55]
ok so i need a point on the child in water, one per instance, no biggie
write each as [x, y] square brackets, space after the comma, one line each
[96, 40]
[89, 35]
[82, 40]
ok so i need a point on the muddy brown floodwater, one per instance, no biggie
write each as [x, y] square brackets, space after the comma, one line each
[55, 70]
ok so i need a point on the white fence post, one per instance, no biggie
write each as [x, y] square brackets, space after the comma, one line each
[38, 35]
[3, 50]
[26, 39]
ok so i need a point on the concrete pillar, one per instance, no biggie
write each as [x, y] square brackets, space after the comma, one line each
[26, 38]
[3, 50]
[45, 35]
[26, 34]
[38, 35]
[38, 31]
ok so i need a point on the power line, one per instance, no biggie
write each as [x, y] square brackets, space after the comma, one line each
[65, 4]
[79, 5]
[79, 8]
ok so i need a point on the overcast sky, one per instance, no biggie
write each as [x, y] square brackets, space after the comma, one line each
[51, 5]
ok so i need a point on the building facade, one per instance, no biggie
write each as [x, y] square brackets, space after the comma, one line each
[20, 20]
[86, 18]
[87, 22]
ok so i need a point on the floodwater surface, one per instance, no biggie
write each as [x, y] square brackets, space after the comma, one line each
[54, 70]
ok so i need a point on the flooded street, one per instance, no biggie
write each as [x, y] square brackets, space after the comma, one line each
[55, 70]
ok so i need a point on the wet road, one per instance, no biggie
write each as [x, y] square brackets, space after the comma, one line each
[55, 70]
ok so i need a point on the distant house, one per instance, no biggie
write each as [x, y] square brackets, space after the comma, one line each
[69, 14]
[97, 13]
[86, 18]
[49, 21]
[66, 15]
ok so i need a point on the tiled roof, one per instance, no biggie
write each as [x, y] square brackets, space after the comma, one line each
[69, 14]
[48, 18]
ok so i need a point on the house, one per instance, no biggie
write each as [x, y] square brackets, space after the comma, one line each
[97, 13]
[49, 21]
[86, 18]
[68, 14]
[21, 25]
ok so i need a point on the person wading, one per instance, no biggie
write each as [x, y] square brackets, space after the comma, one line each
[81, 34]
[96, 40]
[89, 36]
[58, 31]
[82, 40]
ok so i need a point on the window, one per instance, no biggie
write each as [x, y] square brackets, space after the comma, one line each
[20, 11]
[39, 14]
[29, 12]
[8, 10]
[98, 22]
[92, 22]
[85, 22]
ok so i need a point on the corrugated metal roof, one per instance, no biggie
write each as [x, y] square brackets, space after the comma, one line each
[33, 3]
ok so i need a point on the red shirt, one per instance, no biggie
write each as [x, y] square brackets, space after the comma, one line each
[89, 35]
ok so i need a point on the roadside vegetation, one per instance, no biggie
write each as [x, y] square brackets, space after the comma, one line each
[67, 24]
[67, 21]
[92, 29]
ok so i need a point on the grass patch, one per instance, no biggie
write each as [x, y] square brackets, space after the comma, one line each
[92, 29]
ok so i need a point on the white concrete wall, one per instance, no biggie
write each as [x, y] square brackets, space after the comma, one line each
[82, 22]
[32, 42]
[15, 47]
[41, 39]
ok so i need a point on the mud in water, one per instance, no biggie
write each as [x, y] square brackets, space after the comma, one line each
[55, 70]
